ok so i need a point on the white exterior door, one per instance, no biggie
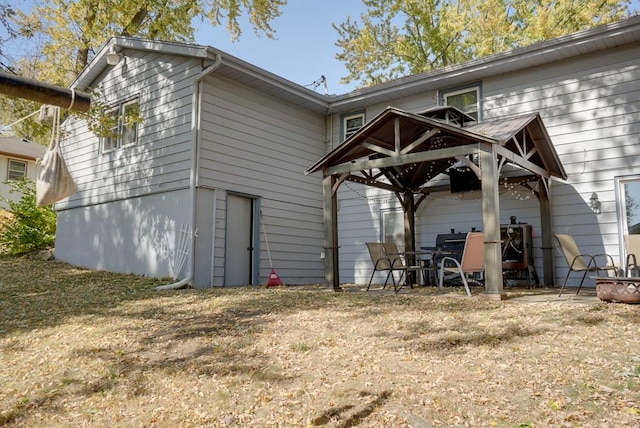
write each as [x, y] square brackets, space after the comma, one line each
[239, 242]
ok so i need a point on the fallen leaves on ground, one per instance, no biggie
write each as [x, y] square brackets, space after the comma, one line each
[86, 348]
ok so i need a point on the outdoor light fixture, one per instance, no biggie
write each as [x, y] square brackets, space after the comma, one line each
[113, 57]
[594, 203]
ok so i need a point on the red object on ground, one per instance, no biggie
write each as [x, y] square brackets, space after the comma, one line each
[274, 279]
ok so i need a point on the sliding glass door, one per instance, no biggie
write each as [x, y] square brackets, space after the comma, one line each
[629, 205]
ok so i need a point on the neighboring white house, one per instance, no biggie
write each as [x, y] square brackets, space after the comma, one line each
[223, 145]
[17, 161]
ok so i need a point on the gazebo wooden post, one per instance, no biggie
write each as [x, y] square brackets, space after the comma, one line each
[547, 232]
[409, 208]
[330, 211]
[409, 222]
[491, 222]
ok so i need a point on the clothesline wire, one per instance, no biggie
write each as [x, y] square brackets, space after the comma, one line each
[22, 119]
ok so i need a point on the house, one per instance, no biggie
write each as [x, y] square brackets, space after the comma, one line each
[221, 150]
[223, 147]
[17, 161]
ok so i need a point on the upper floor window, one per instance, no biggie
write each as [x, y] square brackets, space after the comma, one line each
[466, 99]
[17, 170]
[351, 123]
[122, 126]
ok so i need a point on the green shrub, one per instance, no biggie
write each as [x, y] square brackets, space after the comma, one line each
[30, 227]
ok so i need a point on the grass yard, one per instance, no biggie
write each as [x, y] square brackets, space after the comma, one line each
[85, 348]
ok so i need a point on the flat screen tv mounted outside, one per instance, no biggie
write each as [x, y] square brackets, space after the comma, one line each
[463, 180]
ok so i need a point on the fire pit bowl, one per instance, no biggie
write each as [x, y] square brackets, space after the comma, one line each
[618, 289]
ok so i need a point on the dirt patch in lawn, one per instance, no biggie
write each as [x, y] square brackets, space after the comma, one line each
[86, 348]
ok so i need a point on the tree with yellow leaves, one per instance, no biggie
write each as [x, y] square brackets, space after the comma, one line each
[72, 30]
[394, 38]
[67, 33]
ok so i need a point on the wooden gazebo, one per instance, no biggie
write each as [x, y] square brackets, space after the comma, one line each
[403, 152]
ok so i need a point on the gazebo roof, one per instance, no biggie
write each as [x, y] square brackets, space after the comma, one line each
[506, 132]
[410, 149]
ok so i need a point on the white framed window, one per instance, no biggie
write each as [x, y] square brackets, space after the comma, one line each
[129, 126]
[122, 128]
[110, 140]
[17, 169]
[392, 229]
[466, 99]
[351, 123]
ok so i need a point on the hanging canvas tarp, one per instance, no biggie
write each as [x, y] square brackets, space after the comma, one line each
[54, 181]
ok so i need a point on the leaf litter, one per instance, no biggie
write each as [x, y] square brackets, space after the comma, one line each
[91, 348]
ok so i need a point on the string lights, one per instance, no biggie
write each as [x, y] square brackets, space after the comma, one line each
[369, 199]
[518, 189]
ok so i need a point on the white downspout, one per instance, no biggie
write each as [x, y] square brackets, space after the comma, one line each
[193, 177]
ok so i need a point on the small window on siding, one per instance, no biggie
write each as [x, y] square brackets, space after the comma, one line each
[17, 170]
[122, 128]
[351, 123]
[465, 99]
[130, 123]
[110, 140]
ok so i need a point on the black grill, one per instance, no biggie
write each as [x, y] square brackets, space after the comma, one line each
[449, 245]
[453, 242]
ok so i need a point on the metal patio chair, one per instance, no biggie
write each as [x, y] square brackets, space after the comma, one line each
[566, 245]
[386, 257]
[472, 261]
[400, 261]
[380, 262]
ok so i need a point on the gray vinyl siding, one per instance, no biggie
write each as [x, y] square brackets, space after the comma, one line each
[413, 104]
[591, 108]
[161, 160]
[137, 235]
[259, 146]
